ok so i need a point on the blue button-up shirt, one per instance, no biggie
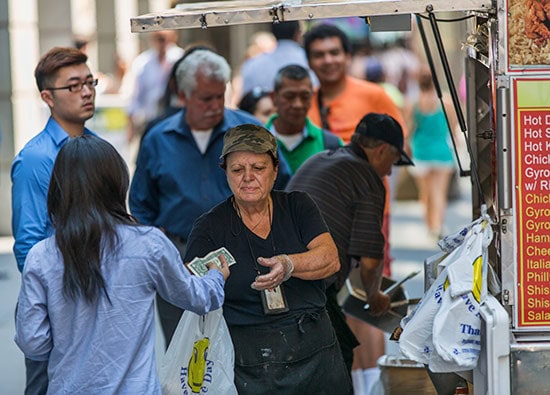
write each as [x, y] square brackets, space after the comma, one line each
[30, 176]
[174, 183]
[107, 346]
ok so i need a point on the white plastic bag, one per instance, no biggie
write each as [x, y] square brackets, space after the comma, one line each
[457, 324]
[200, 358]
[415, 341]
[467, 268]
[452, 241]
[444, 330]
[457, 333]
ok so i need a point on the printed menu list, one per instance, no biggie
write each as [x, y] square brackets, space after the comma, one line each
[533, 205]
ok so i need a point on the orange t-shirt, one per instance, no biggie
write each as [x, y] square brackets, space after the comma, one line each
[346, 110]
[357, 100]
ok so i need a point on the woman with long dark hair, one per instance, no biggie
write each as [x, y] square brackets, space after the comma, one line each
[87, 297]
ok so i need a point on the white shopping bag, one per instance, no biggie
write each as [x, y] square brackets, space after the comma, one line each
[452, 241]
[415, 341]
[444, 331]
[457, 324]
[467, 267]
[200, 358]
[457, 334]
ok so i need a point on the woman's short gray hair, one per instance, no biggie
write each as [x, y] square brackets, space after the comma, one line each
[209, 63]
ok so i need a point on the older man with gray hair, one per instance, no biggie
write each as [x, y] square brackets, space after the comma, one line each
[177, 175]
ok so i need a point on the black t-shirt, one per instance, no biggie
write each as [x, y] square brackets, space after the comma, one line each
[351, 196]
[296, 222]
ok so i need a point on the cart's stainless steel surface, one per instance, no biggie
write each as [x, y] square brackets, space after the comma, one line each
[224, 13]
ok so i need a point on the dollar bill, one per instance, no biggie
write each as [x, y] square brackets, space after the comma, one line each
[198, 265]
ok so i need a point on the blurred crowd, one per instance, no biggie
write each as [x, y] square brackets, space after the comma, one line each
[307, 110]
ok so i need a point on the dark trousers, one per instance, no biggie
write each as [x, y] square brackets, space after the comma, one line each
[346, 338]
[37, 377]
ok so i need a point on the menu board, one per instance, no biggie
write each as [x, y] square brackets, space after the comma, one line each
[532, 182]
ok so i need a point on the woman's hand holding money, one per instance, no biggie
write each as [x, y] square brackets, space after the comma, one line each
[224, 269]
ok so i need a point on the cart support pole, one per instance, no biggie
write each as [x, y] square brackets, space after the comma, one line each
[454, 96]
[463, 173]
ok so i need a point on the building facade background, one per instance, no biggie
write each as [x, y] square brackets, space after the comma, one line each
[28, 28]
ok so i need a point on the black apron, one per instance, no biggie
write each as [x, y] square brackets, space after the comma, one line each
[300, 357]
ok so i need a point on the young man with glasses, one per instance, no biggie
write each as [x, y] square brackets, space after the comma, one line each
[67, 86]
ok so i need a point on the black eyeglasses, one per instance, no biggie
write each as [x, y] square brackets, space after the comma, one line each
[77, 86]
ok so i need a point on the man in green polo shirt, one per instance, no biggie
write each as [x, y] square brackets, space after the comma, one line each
[297, 136]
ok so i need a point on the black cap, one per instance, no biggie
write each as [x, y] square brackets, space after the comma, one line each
[385, 128]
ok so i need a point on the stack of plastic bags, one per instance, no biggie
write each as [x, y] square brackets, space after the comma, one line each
[444, 330]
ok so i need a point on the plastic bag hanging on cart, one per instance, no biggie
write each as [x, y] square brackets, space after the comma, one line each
[457, 324]
[444, 331]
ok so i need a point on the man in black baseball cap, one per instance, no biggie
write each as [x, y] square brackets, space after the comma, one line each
[346, 183]
[384, 128]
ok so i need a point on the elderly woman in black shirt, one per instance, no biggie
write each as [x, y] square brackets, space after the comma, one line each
[275, 300]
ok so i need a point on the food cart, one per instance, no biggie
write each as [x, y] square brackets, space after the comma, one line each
[507, 131]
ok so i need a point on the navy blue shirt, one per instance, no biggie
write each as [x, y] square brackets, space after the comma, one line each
[174, 183]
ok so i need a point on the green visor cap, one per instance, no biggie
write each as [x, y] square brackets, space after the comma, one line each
[251, 138]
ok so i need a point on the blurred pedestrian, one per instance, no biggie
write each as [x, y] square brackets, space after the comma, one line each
[86, 305]
[297, 137]
[258, 43]
[177, 177]
[401, 65]
[432, 152]
[259, 103]
[149, 73]
[341, 100]
[171, 101]
[260, 70]
[67, 86]
[374, 72]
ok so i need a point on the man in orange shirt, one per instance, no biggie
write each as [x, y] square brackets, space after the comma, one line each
[338, 105]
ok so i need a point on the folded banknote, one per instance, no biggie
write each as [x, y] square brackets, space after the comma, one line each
[198, 265]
